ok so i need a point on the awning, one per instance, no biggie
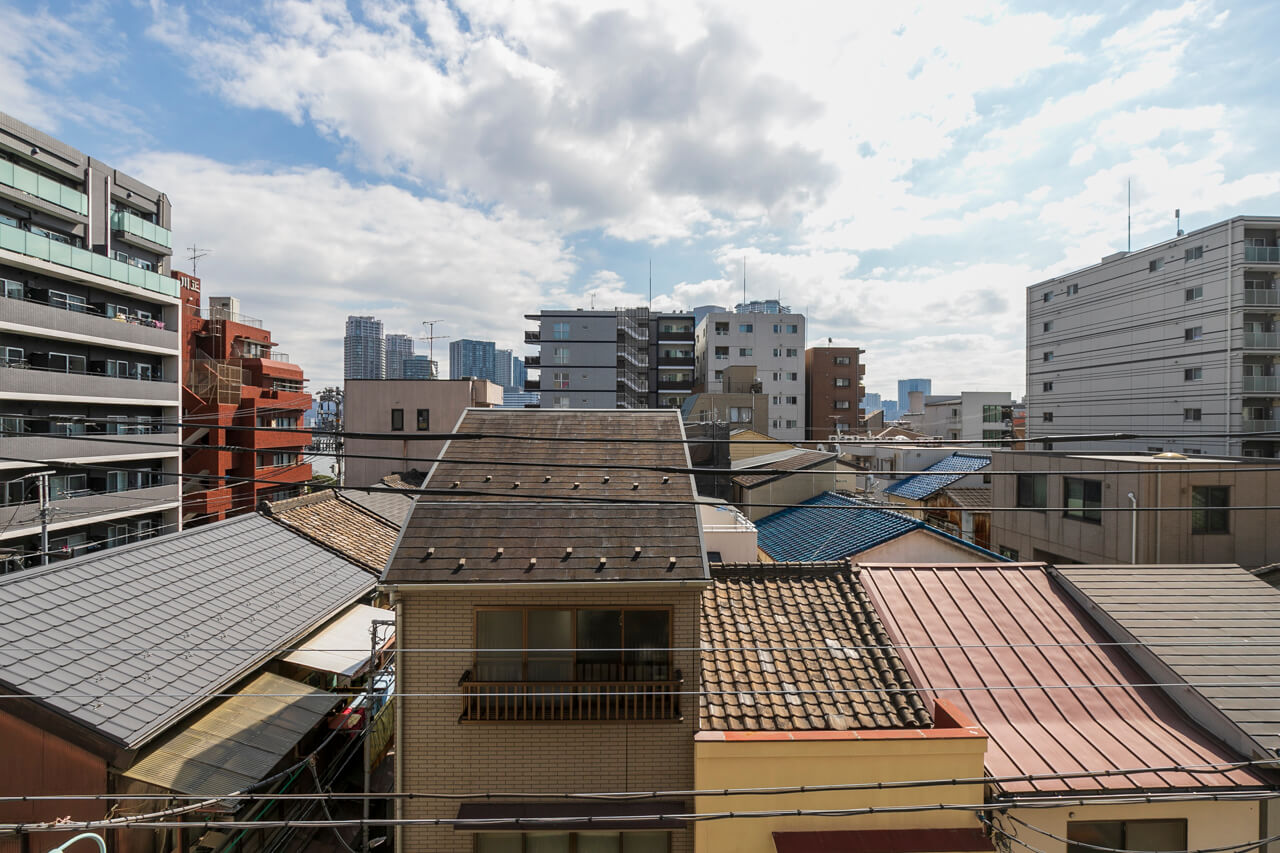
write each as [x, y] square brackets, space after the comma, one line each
[883, 841]
[342, 646]
[237, 742]
[508, 816]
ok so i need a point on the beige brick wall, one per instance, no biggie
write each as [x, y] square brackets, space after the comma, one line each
[438, 753]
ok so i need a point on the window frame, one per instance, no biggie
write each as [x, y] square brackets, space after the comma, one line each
[1031, 490]
[397, 420]
[424, 420]
[1088, 511]
[1210, 518]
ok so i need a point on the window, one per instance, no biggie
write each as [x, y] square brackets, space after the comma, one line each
[791, 424]
[1192, 374]
[11, 289]
[840, 404]
[68, 301]
[648, 841]
[64, 363]
[840, 359]
[1195, 253]
[989, 434]
[722, 328]
[740, 414]
[1009, 553]
[1191, 414]
[1156, 265]
[1073, 289]
[573, 644]
[1047, 417]
[791, 377]
[1209, 509]
[143, 371]
[1048, 325]
[842, 382]
[1048, 386]
[722, 352]
[1194, 333]
[745, 327]
[397, 420]
[12, 355]
[777, 352]
[1048, 356]
[1191, 451]
[1083, 499]
[792, 352]
[559, 331]
[718, 375]
[1194, 293]
[744, 351]
[991, 414]
[792, 328]
[560, 355]
[560, 380]
[560, 402]
[1047, 296]
[791, 401]
[1168, 834]
[424, 420]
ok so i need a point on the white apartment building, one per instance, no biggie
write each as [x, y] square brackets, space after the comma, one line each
[89, 353]
[969, 415]
[774, 343]
[1175, 343]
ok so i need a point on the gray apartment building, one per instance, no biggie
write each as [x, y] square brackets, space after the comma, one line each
[626, 358]
[89, 353]
[1175, 342]
[364, 349]
[769, 336]
[397, 350]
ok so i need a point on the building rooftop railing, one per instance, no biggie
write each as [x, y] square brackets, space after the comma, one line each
[231, 316]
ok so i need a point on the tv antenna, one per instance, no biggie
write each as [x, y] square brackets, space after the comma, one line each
[196, 254]
[431, 337]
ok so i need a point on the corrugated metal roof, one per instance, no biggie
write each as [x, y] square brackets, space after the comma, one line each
[238, 741]
[997, 626]
[939, 475]
[204, 598]
[1227, 619]
[342, 646]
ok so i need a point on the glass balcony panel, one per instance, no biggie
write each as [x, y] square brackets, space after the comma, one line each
[54, 192]
[122, 220]
[35, 246]
[1262, 254]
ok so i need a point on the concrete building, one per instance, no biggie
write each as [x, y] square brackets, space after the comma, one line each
[626, 358]
[1178, 338]
[420, 367]
[969, 416]
[399, 408]
[772, 341]
[364, 349]
[397, 349]
[235, 379]
[742, 402]
[1076, 508]
[833, 390]
[89, 351]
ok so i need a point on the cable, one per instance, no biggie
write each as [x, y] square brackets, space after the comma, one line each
[1249, 845]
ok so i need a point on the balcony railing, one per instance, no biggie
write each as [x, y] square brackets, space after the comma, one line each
[63, 254]
[1264, 384]
[1262, 254]
[533, 337]
[571, 701]
[1262, 340]
[27, 181]
[278, 356]
[1260, 426]
[123, 220]
[230, 316]
[1262, 297]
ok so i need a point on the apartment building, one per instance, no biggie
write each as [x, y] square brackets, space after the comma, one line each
[397, 349]
[364, 349]
[1179, 339]
[969, 416]
[1134, 508]
[235, 381]
[89, 352]
[626, 358]
[833, 390]
[768, 336]
[420, 367]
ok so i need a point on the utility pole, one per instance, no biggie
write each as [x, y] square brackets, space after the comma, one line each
[374, 669]
[42, 479]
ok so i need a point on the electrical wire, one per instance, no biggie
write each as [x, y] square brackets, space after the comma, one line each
[1226, 848]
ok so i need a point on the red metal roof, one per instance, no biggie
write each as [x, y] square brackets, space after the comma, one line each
[1040, 730]
[882, 841]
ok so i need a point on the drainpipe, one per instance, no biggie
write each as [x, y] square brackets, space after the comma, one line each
[1133, 530]
[1226, 442]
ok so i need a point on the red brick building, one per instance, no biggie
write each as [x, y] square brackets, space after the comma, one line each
[833, 390]
[233, 376]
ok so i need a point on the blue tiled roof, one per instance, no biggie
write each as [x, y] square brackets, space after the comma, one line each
[938, 476]
[810, 532]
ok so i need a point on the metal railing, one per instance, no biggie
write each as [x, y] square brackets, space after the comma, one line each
[1262, 254]
[123, 220]
[66, 255]
[1267, 384]
[1261, 297]
[232, 316]
[569, 701]
[1260, 426]
[1262, 340]
[278, 356]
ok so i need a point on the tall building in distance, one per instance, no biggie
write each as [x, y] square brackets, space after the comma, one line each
[420, 367]
[519, 373]
[767, 335]
[1179, 340]
[502, 367]
[471, 359]
[364, 349]
[90, 350]
[906, 386]
[236, 379]
[871, 402]
[397, 348]
[833, 391]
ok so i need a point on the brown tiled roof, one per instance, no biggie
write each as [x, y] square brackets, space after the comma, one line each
[533, 511]
[796, 462]
[808, 609]
[404, 480]
[363, 537]
[970, 498]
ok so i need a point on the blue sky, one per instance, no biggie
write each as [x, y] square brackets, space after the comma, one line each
[900, 174]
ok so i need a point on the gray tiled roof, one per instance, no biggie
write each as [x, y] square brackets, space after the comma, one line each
[206, 599]
[393, 506]
[1209, 624]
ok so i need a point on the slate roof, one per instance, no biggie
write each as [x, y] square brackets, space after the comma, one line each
[74, 627]
[795, 459]
[787, 607]
[937, 476]
[991, 628]
[537, 511]
[360, 535]
[815, 531]
[1218, 624]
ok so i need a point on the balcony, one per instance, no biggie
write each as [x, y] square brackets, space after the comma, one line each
[14, 380]
[80, 445]
[1262, 340]
[571, 701]
[1260, 426]
[675, 335]
[63, 254]
[129, 225]
[278, 356]
[83, 508]
[46, 189]
[1262, 297]
[533, 337]
[229, 316]
[209, 501]
[1262, 254]
[675, 361]
[271, 439]
[533, 361]
[1260, 384]
[532, 383]
[88, 321]
[674, 384]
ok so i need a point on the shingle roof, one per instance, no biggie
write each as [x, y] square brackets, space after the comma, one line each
[363, 537]
[781, 608]
[536, 511]
[991, 628]
[405, 480]
[245, 583]
[976, 499]
[796, 459]
[1216, 624]
[940, 474]
[815, 531]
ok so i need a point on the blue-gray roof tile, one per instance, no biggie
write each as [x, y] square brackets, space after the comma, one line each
[938, 476]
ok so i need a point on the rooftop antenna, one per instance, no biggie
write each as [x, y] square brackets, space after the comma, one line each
[744, 281]
[431, 337]
[1129, 248]
[196, 254]
[1177, 216]
[593, 299]
[651, 284]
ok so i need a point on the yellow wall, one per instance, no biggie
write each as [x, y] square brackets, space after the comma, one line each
[737, 764]
[1209, 824]
[742, 445]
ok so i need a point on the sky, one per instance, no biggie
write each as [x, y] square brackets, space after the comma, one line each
[898, 172]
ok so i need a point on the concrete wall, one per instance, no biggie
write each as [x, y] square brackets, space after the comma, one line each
[1209, 824]
[592, 362]
[762, 500]
[920, 546]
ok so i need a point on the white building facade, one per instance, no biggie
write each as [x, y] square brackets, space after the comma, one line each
[774, 344]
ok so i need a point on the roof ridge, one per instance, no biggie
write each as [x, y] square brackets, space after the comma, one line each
[327, 493]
